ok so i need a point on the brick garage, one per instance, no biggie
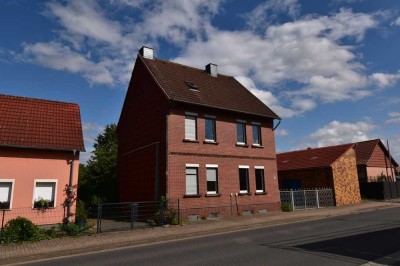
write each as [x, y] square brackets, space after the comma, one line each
[334, 167]
[156, 109]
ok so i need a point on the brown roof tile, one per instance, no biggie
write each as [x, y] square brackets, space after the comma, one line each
[222, 92]
[311, 158]
[36, 123]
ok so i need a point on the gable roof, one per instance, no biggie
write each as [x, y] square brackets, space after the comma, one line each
[43, 124]
[311, 158]
[364, 150]
[222, 92]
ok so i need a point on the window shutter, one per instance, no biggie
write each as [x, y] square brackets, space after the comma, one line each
[211, 174]
[5, 191]
[45, 191]
[190, 127]
[191, 181]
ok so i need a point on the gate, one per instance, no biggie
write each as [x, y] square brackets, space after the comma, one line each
[308, 198]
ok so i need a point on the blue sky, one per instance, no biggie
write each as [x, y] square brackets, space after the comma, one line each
[330, 69]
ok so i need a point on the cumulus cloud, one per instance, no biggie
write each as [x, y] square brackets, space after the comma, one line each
[385, 80]
[396, 22]
[337, 132]
[394, 118]
[281, 132]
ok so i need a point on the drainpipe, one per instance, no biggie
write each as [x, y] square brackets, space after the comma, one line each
[279, 122]
[70, 187]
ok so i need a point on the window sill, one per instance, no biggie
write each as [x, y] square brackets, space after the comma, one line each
[244, 194]
[190, 140]
[260, 193]
[242, 145]
[257, 146]
[213, 195]
[192, 196]
[210, 142]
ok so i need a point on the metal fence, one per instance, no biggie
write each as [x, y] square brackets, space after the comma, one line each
[308, 198]
[131, 215]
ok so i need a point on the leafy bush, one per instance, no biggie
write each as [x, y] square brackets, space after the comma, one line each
[71, 229]
[81, 215]
[286, 207]
[19, 229]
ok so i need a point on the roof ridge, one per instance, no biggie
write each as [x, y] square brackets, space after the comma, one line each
[35, 99]
[319, 148]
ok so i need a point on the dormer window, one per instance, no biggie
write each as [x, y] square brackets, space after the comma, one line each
[191, 85]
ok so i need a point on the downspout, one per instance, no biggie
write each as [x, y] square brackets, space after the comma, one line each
[70, 188]
[280, 120]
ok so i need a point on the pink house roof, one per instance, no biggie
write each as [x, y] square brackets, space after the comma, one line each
[311, 158]
[37, 123]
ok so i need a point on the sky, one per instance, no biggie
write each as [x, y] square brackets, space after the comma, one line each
[330, 69]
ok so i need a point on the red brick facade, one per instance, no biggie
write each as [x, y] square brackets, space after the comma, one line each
[148, 117]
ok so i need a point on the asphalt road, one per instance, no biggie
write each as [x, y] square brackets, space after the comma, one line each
[346, 240]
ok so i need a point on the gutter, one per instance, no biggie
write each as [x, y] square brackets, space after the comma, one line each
[41, 148]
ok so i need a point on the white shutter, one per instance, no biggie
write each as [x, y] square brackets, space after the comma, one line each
[45, 190]
[190, 127]
[5, 191]
[191, 181]
[211, 174]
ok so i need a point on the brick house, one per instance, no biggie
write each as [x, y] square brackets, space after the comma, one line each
[197, 136]
[373, 160]
[334, 167]
[40, 141]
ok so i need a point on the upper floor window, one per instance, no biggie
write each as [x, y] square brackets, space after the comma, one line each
[191, 126]
[241, 132]
[192, 187]
[260, 185]
[256, 134]
[6, 188]
[210, 132]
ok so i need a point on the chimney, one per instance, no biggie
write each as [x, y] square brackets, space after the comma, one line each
[212, 69]
[146, 52]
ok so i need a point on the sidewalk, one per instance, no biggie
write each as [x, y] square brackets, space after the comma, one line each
[15, 253]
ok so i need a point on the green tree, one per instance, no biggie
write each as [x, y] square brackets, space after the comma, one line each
[98, 179]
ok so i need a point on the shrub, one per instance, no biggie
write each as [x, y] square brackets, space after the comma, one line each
[81, 214]
[71, 229]
[19, 229]
[286, 207]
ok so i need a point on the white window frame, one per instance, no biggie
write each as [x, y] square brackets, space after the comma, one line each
[191, 165]
[244, 122]
[212, 117]
[248, 181]
[192, 115]
[259, 133]
[12, 181]
[263, 181]
[45, 181]
[212, 166]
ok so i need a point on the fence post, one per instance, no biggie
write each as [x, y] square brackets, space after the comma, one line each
[292, 198]
[162, 213]
[317, 197]
[132, 214]
[99, 214]
[2, 221]
[305, 199]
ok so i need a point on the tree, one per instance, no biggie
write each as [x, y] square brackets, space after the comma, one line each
[98, 179]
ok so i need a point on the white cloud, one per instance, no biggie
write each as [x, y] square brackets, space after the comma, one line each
[281, 132]
[396, 22]
[268, 12]
[337, 132]
[385, 80]
[394, 118]
[55, 55]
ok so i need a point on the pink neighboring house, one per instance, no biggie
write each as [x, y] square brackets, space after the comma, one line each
[40, 141]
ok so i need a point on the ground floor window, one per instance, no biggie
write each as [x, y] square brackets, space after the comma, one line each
[260, 185]
[45, 194]
[244, 179]
[6, 189]
[192, 187]
[212, 179]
